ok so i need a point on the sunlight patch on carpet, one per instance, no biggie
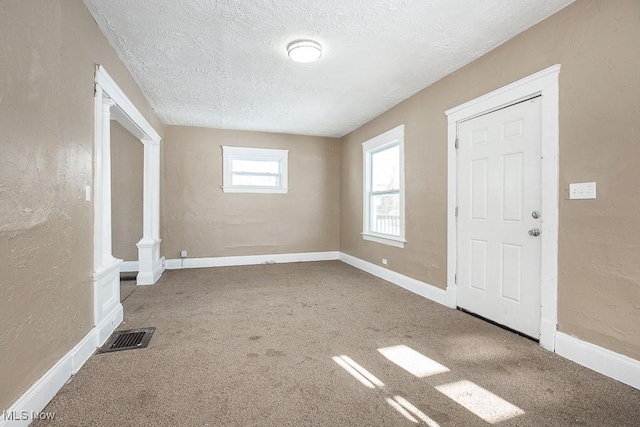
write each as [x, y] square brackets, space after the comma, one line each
[412, 361]
[491, 408]
[358, 372]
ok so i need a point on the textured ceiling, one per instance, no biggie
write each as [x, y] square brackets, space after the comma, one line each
[223, 63]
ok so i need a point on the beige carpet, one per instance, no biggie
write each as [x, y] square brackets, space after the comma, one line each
[127, 287]
[253, 346]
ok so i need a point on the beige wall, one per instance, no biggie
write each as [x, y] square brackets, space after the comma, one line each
[127, 161]
[201, 219]
[598, 45]
[48, 53]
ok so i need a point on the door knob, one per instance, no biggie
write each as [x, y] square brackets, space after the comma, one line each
[535, 232]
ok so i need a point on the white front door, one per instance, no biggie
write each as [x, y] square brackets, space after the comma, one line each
[499, 208]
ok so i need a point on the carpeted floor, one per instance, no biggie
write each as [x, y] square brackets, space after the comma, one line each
[127, 287]
[254, 346]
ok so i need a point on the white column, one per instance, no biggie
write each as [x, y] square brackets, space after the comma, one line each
[107, 310]
[148, 193]
[105, 244]
[149, 263]
[97, 182]
[156, 192]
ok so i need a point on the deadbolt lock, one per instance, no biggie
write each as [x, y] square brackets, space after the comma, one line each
[535, 214]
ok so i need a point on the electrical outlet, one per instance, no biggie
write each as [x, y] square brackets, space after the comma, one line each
[183, 254]
[384, 261]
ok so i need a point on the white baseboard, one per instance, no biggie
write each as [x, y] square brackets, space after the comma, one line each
[129, 267]
[84, 350]
[452, 296]
[417, 287]
[599, 359]
[147, 279]
[109, 324]
[34, 400]
[548, 331]
[229, 261]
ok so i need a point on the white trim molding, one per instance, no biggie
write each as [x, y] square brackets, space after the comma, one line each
[136, 122]
[416, 286]
[599, 359]
[398, 243]
[423, 289]
[129, 267]
[112, 103]
[36, 398]
[229, 154]
[107, 308]
[149, 261]
[544, 83]
[230, 261]
[370, 147]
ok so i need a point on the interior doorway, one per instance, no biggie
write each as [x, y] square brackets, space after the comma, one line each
[127, 160]
[110, 103]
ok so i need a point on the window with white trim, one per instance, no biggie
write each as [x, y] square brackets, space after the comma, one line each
[383, 165]
[254, 170]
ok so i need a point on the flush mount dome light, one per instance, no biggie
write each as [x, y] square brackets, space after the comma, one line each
[304, 51]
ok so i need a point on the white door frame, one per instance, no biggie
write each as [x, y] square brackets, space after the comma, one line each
[543, 83]
[111, 103]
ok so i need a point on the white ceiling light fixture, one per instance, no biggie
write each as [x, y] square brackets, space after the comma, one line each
[304, 51]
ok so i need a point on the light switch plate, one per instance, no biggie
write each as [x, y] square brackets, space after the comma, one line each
[582, 190]
[87, 193]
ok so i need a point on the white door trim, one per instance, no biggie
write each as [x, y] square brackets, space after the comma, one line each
[112, 103]
[544, 83]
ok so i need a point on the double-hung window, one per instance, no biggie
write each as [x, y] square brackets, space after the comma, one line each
[383, 165]
[254, 170]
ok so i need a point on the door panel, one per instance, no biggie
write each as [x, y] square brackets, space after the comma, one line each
[511, 277]
[479, 264]
[499, 186]
[512, 187]
[479, 189]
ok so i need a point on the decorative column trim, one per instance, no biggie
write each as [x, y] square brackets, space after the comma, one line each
[110, 102]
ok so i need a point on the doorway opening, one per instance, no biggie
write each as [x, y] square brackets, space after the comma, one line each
[127, 160]
[110, 103]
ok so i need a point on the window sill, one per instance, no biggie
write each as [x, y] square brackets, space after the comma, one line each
[390, 241]
[255, 190]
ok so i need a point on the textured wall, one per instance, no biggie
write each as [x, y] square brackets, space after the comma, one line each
[597, 43]
[127, 160]
[206, 222]
[48, 53]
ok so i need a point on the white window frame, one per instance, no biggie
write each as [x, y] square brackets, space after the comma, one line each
[370, 147]
[261, 154]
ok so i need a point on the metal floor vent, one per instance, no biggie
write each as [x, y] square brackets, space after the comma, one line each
[128, 340]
